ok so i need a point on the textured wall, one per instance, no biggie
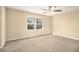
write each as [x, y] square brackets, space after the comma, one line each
[67, 25]
[0, 26]
[16, 25]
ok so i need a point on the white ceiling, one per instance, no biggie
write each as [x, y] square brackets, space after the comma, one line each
[37, 9]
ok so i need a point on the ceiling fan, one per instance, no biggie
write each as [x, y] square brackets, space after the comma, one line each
[49, 10]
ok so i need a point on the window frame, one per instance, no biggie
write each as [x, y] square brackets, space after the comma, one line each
[38, 23]
[34, 23]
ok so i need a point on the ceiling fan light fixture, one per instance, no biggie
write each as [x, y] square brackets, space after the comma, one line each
[57, 10]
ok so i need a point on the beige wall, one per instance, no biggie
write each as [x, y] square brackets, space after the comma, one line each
[67, 25]
[2, 26]
[16, 25]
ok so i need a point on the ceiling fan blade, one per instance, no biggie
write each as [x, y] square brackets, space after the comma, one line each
[56, 10]
[44, 9]
[45, 12]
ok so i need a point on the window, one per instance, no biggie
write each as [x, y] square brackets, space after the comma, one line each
[38, 23]
[34, 23]
[30, 26]
[30, 23]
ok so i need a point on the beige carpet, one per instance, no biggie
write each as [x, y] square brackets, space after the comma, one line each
[46, 43]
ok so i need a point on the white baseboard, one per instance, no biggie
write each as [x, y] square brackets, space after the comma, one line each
[67, 37]
[13, 39]
[3, 44]
[26, 37]
[1, 47]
